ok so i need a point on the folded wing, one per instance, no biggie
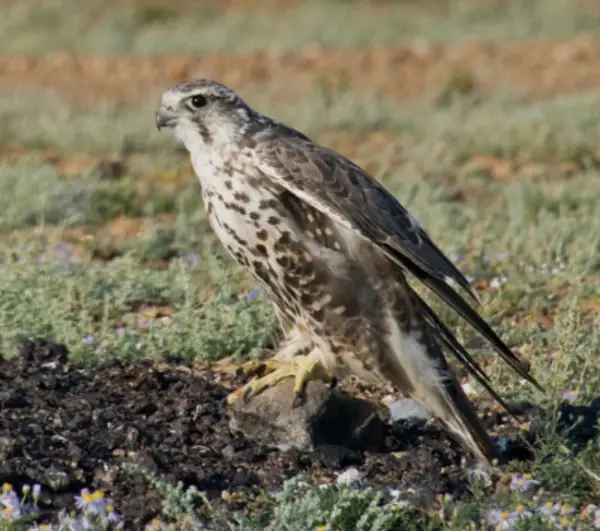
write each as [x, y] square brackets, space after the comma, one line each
[337, 187]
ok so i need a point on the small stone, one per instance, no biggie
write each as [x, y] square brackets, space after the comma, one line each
[406, 409]
[350, 477]
[6, 447]
[327, 418]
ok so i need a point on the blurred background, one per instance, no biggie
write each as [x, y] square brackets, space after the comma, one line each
[481, 115]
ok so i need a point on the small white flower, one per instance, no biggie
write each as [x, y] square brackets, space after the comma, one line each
[90, 338]
[496, 282]
[350, 477]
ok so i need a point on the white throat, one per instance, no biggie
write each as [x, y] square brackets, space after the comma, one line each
[208, 160]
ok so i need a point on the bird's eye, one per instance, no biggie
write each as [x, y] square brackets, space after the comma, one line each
[198, 101]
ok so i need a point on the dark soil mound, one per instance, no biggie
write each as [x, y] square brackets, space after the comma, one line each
[68, 426]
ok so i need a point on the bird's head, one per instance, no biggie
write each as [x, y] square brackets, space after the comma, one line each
[204, 113]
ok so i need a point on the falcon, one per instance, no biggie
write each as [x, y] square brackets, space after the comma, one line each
[331, 248]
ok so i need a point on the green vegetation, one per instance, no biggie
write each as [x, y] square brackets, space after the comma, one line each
[507, 186]
[532, 242]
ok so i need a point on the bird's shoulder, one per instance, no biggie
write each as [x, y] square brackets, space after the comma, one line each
[334, 178]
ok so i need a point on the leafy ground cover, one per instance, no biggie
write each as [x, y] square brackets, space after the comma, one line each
[480, 115]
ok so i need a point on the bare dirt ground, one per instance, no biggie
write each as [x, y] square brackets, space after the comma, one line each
[66, 426]
[539, 69]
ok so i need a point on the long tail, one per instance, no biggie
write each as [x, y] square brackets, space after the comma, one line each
[417, 366]
[450, 404]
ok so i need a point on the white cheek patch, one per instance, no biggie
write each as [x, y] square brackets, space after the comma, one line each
[177, 133]
[186, 133]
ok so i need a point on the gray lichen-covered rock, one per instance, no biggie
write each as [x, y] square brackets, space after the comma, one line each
[328, 417]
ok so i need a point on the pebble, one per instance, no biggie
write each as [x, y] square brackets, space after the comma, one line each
[407, 408]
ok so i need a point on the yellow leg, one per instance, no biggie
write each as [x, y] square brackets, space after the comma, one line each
[303, 369]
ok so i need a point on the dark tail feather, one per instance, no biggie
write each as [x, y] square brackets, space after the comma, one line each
[461, 420]
[460, 306]
[445, 336]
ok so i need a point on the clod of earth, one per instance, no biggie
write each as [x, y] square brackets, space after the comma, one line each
[68, 426]
[327, 418]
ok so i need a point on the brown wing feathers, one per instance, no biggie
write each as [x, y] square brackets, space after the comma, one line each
[336, 186]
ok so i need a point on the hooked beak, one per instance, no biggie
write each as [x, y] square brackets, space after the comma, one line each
[165, 118]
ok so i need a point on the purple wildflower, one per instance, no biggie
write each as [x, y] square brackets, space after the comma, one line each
[83, 500]
[548, 511]
[571, 395]
[95, 506]
[499, 519]
[251, 295]
[90, 338]
[522, 482]
[190, 261]
[111, 514]
[11, 505]
[62, 252]
[520, 512]
[12, 508]
[480, 473]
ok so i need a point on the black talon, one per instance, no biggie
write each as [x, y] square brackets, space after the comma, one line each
[246, 395]
[299, 398]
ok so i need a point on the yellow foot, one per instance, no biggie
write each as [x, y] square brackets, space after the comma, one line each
[303, 370]
[257, 367]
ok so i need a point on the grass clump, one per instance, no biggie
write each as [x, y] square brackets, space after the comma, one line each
[109, 311]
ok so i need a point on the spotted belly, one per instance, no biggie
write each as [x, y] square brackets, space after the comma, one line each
[307, 266]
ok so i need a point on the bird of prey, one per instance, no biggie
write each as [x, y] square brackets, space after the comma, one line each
[331, 247]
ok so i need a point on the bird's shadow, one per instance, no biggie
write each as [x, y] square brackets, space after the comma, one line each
[575, 426]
